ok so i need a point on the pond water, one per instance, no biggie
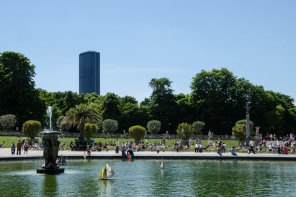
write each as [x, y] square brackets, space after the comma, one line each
[145, 178]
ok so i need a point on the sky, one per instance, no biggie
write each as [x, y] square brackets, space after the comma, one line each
[139, 40]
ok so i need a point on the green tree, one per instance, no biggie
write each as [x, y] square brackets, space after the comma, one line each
[185, 131]
[153, 126]
[239, 132]
[31, 128]
[185, 111]
[110, 125]
[198, 126]
[79, 115]
[132, 114]
[7, 121]
[214, 96]
[162, 103]
[111, 106]
[137, 132]
[18, 95]
[90, 130]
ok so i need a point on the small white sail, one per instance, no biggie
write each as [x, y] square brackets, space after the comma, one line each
[109, 171]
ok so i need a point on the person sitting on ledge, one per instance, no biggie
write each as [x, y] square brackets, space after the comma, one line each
[201, 147]
[233, 151]
[2, 145]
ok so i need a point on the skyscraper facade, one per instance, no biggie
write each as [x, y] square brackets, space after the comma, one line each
[89, 72]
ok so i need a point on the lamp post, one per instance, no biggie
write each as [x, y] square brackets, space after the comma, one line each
[248, 137]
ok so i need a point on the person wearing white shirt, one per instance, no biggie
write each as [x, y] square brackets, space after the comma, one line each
[251, 145]
[201, 147]
[157, 148]
[196, 147]
[270, 149]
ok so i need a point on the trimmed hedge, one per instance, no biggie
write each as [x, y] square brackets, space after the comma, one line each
[31, 128]
[137, 132]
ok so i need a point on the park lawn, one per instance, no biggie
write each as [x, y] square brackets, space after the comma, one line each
[168, 142]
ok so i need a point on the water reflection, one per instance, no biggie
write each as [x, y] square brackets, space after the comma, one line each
[49, 186]
[106, 187]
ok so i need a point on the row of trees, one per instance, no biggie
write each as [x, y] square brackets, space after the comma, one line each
[218, 99]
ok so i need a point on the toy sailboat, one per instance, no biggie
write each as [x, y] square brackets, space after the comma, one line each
[162, 165]
[106, 173]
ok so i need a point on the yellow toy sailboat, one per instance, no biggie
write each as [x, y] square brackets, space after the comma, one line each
[106, 173]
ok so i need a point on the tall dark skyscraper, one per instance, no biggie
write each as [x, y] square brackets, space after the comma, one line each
[89, 72]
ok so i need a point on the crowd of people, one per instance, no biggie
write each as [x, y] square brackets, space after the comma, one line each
[281, 145]
[24, 145]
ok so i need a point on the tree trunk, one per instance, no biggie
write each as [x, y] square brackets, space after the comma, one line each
[81, 135]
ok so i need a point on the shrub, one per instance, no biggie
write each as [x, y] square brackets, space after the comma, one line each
[7, 121]
[110, 125]
[153, 126]
[31, 128]
[245, 123]
[239, 131]
[90, 130]
[198, 126]
[185, 131]
[137, 132]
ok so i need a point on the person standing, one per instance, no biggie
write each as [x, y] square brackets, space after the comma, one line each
[12, 148]
[123, 151]
[223, 147]
[19, 147]
[26, 147]
[196, 147]
[251, 144]
[117, 146]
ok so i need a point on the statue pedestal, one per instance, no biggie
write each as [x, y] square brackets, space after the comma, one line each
[50, 153]
[50, 170]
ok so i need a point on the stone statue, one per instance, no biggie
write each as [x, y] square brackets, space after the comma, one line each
[210, 134]
[50, 152]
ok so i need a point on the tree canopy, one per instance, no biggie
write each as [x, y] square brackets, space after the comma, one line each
[17, 88]
[153, 126]
[79, 115]
[218, 98]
